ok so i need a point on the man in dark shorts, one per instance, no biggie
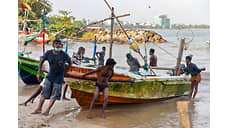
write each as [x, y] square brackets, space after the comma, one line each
[195, 76]
[104, 73]
[100, 56]
[53, 83]
[133, 63]
[153, 58]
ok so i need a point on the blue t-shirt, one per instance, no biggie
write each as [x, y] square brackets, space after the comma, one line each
[56, 65]
[193, 69]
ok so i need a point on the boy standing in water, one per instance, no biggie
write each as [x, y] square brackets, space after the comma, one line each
[104, 73]
[195, 75]
[53, 82]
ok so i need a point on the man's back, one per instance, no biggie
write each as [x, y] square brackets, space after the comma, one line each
[134, 64]
[153, 60]
[101, 58]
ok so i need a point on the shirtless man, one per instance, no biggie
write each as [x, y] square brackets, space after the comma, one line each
[100, 56]
[153, 58]
[104, 73]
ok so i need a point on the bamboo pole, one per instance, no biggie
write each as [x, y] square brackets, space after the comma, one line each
[100, 21]
[117, 19]
[111, 34]
[180, 53]
[184, 112]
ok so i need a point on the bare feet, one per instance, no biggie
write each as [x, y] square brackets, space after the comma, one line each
[102, 115]
[45, 113]
[25, 104]
[36, 112]
[89, 116]
[32, 100]
[64, 98]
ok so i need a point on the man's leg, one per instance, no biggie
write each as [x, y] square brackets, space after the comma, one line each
[192, 87]
[96, 94]
[196, 89]
[52, 101]
[34, 95]
[64, 92]
[105, 93]
[39, 109]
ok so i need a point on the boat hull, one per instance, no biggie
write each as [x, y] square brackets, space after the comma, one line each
[125, 92]
[27, 68]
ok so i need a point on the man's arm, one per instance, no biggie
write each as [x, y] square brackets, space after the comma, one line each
[68, 59]
[68, 66]
[203, 69]
[39, 69]
[91, 72]
[87, 58]
[111, 75]
[196, 68]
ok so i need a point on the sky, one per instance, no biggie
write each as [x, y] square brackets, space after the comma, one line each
[179, 11]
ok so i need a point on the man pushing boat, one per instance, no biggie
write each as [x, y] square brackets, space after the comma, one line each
[104, 73]
[53, 82]
[195, 76]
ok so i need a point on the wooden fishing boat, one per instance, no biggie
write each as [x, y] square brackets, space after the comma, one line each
[27, 69]
[126, 87]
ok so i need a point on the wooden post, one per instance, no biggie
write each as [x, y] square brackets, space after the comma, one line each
[111, 41]
[180, 53]
[44, 29]
[25, 18]
[184, 112]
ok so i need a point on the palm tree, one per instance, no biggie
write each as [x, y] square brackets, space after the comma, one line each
[34, 9]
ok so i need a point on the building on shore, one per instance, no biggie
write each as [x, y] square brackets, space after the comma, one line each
[161, 21]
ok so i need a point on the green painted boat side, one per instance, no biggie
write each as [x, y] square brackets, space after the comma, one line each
[138, 90]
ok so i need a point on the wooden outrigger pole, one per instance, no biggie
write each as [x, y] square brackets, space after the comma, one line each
[101, 21]
[179, 58]
[112, 25]
[44, 29]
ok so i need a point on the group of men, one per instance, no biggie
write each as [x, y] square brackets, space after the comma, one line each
[135, 65]
[57, 59]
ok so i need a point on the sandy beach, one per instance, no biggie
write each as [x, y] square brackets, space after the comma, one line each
[61, 116]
